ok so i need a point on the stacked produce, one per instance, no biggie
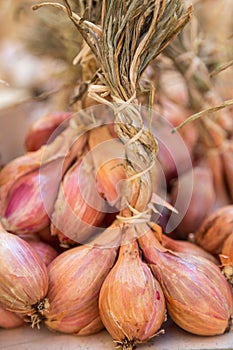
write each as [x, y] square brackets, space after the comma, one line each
[215, 236]
[79, 246]
[212, 131]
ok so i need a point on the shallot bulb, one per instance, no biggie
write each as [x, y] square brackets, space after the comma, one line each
[29, 184]
[131, 302]
[39, 133]
[215, 163]
[78, 209]
[23, 278]
[185, 247]
[198, 297]
[215, 229]
[46, 252]
[110, 165]
[75, 279]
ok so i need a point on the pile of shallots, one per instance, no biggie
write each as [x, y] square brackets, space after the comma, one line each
[69, 262]
[83, 244]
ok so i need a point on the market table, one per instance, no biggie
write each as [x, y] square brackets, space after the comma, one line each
[174, 338]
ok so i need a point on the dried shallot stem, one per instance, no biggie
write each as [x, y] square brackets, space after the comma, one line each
[132, 33]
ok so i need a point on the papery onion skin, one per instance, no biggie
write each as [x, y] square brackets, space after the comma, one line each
[78, 209]
[25, 205]
[110, 165]
[23, 275]
[180, 246]
[215, 229]
[40, 131]
[185, 247]
[198, 297]
[132, 305]
[29, 184]
[46, 252]
[75, 278]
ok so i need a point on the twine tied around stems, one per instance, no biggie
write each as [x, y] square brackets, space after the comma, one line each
[131, 34]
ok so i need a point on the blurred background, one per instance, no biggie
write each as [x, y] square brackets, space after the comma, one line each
[37, 49]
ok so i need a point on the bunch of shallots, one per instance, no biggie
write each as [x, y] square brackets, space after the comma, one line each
[66, 184]
[126, 276]
[79, 250]
[197, 96]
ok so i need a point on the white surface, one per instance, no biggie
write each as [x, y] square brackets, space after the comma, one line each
[26, 338]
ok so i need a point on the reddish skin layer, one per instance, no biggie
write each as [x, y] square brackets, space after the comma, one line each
[25, 210]
[44, 250]
[41, 130]
[198, 297]
[75, 279]
[215, 229]
[185, 247]
[23, 275]
[29, 184]
[131, 302]
[78, 209]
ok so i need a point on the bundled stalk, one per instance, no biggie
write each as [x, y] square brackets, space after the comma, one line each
[123, 47]
[132, 33]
